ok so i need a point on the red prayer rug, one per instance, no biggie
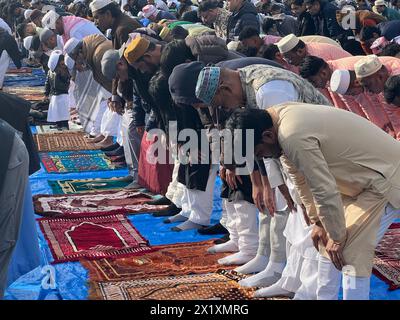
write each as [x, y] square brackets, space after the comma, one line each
[387, 257]
[166, 260]
[92, 238]
[95, 203]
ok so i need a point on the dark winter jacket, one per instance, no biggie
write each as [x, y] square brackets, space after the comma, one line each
[306, 25]
[246, 16]
[56, 84]
[326, 23]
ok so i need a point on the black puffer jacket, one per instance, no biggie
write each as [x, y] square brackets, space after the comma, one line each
[246, 16]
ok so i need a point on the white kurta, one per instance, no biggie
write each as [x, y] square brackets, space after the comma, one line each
[58, 108]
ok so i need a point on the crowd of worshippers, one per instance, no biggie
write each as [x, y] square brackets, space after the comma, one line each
[325, 182]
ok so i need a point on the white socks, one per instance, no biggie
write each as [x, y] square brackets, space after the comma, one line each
[258, 264]
[266, 278]
[187, 225]
[176, 218]
[273, 291]
[238, 258]
[230, 246]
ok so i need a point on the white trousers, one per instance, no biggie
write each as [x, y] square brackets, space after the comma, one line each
[354, 288]
[110, 123]
[96, 127]
[4, 63]
[242, 221]
[175, 189]
[201, 202]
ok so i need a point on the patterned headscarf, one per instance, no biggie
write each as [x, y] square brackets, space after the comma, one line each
[207, 84]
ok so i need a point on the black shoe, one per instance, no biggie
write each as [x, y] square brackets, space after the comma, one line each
[171, 211]
[224, 239]
[111, 148]
[116, 152]
[161, 201]
[215, 229]
[126, 179]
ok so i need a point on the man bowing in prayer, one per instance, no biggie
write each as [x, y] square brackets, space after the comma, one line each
[351, 191]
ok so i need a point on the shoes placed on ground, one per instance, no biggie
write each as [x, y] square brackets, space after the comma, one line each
[126, 179]
[116, 152]
[133, 185]
[160, 201]
[117, 158]
[171, 211]
[224, 239]
[113, 147]
[215, 229]
[121, 164]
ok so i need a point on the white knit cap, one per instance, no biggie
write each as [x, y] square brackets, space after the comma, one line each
[28, 42]
[287, 43]
[367, 66]
[69, 62]
[340, 81]
[49, 19]
[53, 59]
[27, 13]
[70, 45]
[99, 4]
[380, 3]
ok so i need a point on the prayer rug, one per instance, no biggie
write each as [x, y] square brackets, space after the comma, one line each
[208, 286]
[31, 94]
[92, 238]
[62, 141]
[93, 204]
[20, 70]
[76, 161]
[168, 260]
[86, 185]
[387, 257]
[47, 128]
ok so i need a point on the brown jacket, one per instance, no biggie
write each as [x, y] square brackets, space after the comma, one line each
[94, 47]
[122, 27]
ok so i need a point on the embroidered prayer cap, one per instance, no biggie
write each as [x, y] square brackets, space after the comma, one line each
[380, 3]
[69, 62]
[149, 10]
[49, 19]
[287, 43]
[340, 81]
[182, 82]
[136, 49]
[164, 33]
[367, 66]
[207, 84]
[378, 45]
[27, 13]
[45, 35]
[28, 42]
[70, 45]
[99, 4]
[53, 59]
